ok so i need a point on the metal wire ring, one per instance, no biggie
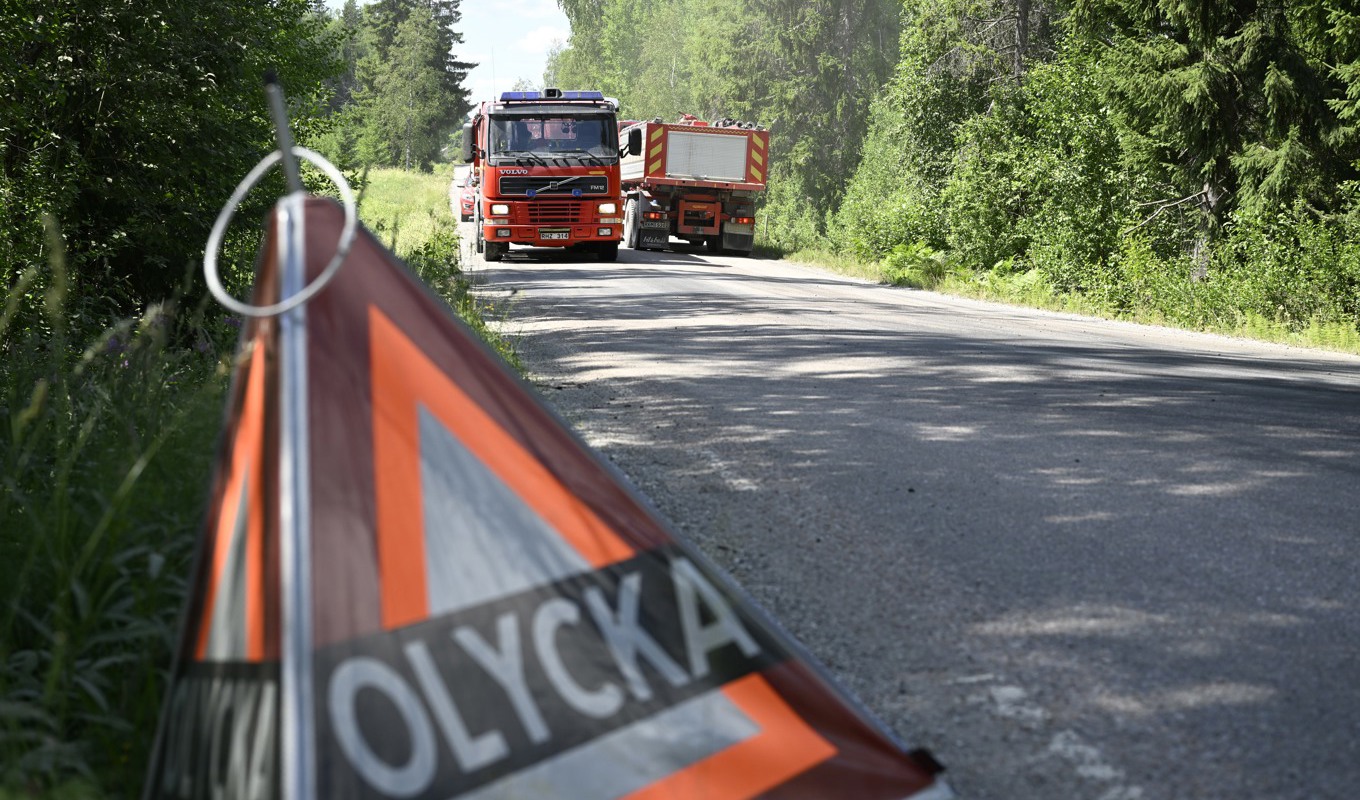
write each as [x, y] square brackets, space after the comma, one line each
[229, 210]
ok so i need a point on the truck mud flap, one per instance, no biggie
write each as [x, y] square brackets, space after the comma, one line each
[738, 242]
[653, 239]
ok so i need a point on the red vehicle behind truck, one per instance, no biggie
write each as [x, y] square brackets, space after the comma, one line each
[693, 180]
[547, 166]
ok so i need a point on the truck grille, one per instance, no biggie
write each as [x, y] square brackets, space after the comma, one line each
[554, 212]
[523, 184]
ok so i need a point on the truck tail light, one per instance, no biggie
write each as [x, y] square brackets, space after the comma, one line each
[743, 220]
[653, 215]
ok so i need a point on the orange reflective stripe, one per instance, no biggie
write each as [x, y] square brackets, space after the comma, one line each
[396, 475]
[785, 747]
[245, 474]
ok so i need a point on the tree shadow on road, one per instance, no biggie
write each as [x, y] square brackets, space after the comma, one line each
[1165, 535]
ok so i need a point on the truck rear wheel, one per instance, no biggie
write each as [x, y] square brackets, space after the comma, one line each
[713, 244]
[630, 225]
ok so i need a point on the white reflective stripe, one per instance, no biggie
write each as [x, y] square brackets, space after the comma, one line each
[227, 629]
[632, 757]
[939, 790]
[481, 541]
[708, 156]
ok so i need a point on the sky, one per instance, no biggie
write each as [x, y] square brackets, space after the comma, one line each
[509, 39]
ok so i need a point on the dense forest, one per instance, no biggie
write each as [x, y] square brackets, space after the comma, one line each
[1195, 160]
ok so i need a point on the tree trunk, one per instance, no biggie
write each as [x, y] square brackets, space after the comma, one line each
[1208, 227]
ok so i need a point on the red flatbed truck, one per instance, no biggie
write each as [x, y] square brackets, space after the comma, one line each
[547, 167]
[693, 180]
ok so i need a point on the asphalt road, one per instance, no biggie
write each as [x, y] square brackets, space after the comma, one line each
[1075, 558]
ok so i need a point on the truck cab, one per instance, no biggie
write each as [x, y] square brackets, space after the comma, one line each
[548, 167]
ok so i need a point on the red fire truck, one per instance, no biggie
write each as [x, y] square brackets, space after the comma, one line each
[547, 164]
[693, 180]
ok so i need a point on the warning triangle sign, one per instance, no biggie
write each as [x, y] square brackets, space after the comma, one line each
[492, 612]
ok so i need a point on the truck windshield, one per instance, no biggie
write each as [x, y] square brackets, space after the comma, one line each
[554, 137]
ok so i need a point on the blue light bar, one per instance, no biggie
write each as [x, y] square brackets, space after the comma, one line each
[550, 94]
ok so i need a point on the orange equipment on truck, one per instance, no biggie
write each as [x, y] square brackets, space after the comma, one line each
[697, 181]
[548, 168]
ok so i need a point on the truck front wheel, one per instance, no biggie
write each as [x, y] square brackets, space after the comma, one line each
[494, 251]
[607, 251]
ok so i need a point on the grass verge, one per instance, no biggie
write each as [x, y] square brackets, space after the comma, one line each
[931, 271]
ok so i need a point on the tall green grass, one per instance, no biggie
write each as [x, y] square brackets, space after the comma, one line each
[405, 209]
[106, 442]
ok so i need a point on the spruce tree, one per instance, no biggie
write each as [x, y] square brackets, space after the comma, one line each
[1227, 101]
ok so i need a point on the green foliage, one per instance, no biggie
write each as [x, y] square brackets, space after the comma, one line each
[1343, 36]
[1189, 163]
[130, 123]
[399, 97]
[1232, 104]
[1040, 180]
[893, 197]
[950, 71]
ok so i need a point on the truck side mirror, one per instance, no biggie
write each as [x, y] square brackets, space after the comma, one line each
[467, 143]
[635, 142]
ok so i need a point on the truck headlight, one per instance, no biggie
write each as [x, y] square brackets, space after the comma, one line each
[609, 208]
[500, 210]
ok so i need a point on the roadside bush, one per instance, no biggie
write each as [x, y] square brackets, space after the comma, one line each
[988, 192]
[917, 265]
[1038, 178]
[1290, 267]
[793, 221]
[893, 197]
